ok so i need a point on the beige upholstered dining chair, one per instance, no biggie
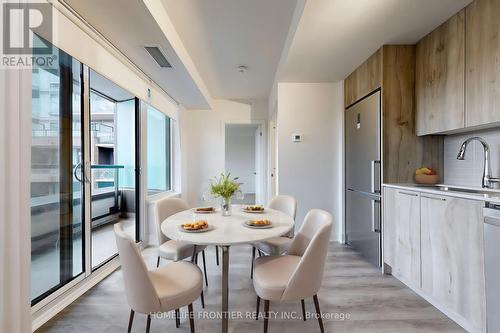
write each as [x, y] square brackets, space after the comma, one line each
[276, 246]
[298, 274]
[160, 290]
[171, 249]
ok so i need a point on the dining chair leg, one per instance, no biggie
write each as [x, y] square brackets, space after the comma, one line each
[253, 259]
[177, 321]
[303, 309]
[148, 324]
[318, 313]
[266, 315]
[257, 310]
[130, 321]
[204, 267]
[193, 256]
[191, 317]
[158, 262]
[202, 300]
[217, 254]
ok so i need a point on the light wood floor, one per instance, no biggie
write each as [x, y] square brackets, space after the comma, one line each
[372, 301]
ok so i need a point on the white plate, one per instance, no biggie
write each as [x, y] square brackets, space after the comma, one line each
[248, 225]
[204, 212]
[210, 227]
[254, 211]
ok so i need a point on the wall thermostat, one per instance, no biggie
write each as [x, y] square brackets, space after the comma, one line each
[297, 138]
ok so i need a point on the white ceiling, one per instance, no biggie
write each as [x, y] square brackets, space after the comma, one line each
[129, 26]
[335, 36]
[220, 35]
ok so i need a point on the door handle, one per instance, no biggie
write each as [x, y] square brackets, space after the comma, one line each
[376, 216]
[433, 198]
[75, 172]
[410, 194]
[375, 174]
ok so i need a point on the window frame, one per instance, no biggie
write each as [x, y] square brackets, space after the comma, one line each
[169, 154]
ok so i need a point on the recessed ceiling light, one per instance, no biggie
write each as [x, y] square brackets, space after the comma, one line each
[242, 69]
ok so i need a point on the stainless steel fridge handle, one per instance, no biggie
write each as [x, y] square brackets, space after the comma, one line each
[375, 184]
[375, 216]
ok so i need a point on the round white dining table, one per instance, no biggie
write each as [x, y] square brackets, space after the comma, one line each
[225, 232]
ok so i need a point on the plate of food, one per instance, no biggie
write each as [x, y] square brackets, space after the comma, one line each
[199, 226]
[204, 210]
[258, 224]
[255, 209]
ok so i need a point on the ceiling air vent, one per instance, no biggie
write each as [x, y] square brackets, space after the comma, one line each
[158, 56]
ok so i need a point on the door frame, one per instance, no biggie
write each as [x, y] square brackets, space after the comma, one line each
[260, 180]
[272, 155]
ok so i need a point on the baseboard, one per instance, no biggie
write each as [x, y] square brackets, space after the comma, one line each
[464, 323]
[48, 311]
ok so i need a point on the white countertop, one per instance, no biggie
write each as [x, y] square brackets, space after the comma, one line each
[487, 195]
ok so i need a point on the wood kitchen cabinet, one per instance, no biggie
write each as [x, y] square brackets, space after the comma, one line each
[392, 70]
[402, 234]
[483, 63]
[452, 255]
[364, 80]
[440, 78]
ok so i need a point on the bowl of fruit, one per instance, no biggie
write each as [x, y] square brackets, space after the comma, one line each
[427, 176]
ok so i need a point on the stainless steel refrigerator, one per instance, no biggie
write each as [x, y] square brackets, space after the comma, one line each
[363, 177]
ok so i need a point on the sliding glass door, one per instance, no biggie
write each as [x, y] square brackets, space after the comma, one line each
[56, 193]
[84, 172]
[113, 144]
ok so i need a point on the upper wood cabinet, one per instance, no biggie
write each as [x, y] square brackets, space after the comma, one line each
[440, 78]
[365, 79]
[483, 63]
[392, 68]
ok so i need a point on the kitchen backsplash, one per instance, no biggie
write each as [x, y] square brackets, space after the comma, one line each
[469, 172]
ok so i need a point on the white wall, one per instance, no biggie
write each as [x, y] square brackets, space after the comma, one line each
[203, 143]
[15, 226]
[311, 170]
[240, 155]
